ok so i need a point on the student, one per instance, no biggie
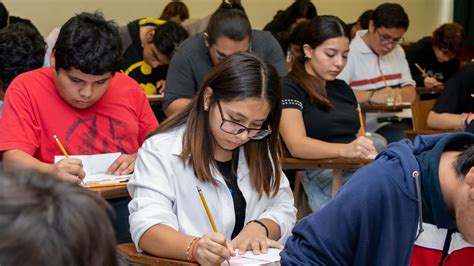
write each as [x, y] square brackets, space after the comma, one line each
[148, 45]
[21, 49]
[175, 11]
[226, 142]
[44, 221]
[228, 32]
[455, 105]
[82, 99]
[362, 23]
[387, 205]
[436, 55]
[319, 118]
[377, 69]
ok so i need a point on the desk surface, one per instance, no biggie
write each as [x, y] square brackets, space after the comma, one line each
[155, 98]
[289, 163]
[130, 254]
[378, 108]
[111, 192]
[434, 90]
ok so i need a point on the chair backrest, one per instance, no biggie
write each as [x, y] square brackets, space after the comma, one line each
[420, 111]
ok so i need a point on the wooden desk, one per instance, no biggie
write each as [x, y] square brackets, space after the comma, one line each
[155, 98]
[130, 254]
[111, 192]
[383, 108]
[434, 90]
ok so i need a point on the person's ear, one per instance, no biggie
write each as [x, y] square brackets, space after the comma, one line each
[52, 60]
[307, 51]
[206, 39]
[371, 26]
[149, 36]
[207, 98]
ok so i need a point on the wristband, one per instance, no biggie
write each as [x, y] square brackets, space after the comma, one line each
[193, 249]
[188, 249]
[466, 121]
[262, 224]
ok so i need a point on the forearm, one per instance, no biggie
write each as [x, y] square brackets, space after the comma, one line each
[309, 148]
[15, 160]
[362, 96]
[273, 229]
[163, 241]
[444, 120]
[408, 93]
[176, 106]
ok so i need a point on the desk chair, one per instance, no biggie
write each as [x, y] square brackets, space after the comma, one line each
[420, 111]
[129, 253]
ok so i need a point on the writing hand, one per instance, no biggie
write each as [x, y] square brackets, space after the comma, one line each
[70, 170]
[212, 249]
[123, 165]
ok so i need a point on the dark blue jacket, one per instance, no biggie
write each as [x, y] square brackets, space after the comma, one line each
[373, 219]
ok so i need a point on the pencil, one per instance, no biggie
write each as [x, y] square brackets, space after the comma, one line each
[116, 184]
[421, 69]
[361, 121]
[204, 203]
[61, 146]
[383, 78]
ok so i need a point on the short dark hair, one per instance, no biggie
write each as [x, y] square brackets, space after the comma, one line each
[22, 49]
[45, 221]
[465, 161]
[168, 36]
[449, 36]
[297, 10]
[364, 19]
[173, 9]
[4, 15]
[390, 15]
[228, 22]
[89, 43]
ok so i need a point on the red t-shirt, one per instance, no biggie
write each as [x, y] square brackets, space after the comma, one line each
[34, 111]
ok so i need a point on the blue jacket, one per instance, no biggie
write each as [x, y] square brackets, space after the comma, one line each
[373, 220]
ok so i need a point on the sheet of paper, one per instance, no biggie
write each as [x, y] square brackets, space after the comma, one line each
[272, 257]
[95, 167]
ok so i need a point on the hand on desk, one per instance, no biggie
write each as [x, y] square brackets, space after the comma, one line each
[160, 86]
[362, 147]
[253, 237]
[382, 96]
[124, 165]
[212, 249]
[70, 170]
[431, 82]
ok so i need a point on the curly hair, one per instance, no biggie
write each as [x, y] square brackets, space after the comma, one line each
[22, 49]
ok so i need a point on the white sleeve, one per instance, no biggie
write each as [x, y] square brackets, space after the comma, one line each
[153, 193]
[281, 209]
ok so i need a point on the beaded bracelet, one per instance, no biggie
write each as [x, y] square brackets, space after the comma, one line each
[188, 254]
[193, 249]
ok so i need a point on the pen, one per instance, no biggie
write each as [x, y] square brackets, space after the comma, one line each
[361, 121]
[204, 203]
[61, 146]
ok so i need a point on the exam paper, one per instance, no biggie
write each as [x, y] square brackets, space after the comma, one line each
[272, 257]
[95, 167]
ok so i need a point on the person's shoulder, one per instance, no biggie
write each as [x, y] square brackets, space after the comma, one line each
[35, 76]
[288, 83]
[169, 141]
[122, 84]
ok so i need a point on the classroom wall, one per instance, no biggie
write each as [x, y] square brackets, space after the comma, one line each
[425, 15]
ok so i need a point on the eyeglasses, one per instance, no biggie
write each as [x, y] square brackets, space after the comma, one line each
[386, 39]
[235, 128]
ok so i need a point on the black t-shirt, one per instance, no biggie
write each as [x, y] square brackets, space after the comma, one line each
[457, 97]
[239, 201]
[339, 125]
[422, 53]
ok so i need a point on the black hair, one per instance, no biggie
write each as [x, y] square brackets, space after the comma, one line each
[89, 43]
[299, 9]
[3, 16]
[45, 221]
[390, 15]
[235, 4]
[465, 161]
[364, 19]
[22, 49]
[168, 36]
[229, 22]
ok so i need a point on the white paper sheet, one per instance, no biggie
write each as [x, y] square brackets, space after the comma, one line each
[272, 257]
[95, 167]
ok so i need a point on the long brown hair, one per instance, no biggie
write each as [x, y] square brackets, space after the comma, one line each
[317, 31]
[236, 77]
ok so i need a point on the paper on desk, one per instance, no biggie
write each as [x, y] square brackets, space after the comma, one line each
[272, 256]
[95, 167]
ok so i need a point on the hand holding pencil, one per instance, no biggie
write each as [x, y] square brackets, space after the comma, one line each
[428, 81]
[68, 169]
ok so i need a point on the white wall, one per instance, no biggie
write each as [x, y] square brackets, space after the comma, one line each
[425, 15]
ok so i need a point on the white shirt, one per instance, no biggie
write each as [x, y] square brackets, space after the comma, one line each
[163, 191]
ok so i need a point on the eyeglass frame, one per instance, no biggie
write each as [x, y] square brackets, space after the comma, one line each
[390, 40]
[243, 128]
